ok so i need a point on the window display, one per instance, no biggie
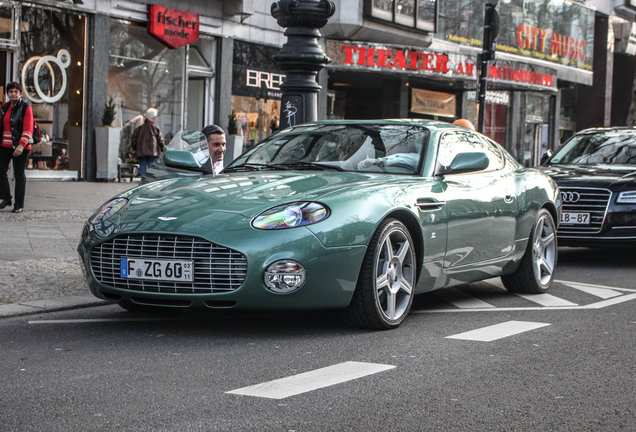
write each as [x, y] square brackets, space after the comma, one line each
[51, 70]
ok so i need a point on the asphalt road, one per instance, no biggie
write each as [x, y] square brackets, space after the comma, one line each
[559, 363]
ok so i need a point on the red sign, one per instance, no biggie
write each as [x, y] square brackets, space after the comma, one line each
[174, 27]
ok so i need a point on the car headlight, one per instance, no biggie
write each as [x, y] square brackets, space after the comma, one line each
[291, 216]
[107, 210]
[628, 197]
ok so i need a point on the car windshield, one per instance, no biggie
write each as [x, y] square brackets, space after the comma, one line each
[615, 147]
[393, 149]
[192, 141]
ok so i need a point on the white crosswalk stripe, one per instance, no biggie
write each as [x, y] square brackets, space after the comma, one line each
[462, 300]
[594, 290]
[308, 381]
[547, 300]
[498, 331]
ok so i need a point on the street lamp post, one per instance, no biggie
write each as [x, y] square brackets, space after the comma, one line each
[301, 57]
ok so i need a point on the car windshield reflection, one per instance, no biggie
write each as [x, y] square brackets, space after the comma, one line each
[391, 149]
[614, 147]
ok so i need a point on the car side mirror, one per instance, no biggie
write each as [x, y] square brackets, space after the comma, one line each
[546, 156]
[468, 162]
[181, 159]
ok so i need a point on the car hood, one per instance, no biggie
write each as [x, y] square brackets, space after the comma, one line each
[615, 177]
[242, 194]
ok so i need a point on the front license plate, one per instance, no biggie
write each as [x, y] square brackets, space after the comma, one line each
[575, 218]
[155, 269]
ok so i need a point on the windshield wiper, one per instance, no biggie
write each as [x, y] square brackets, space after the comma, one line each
[313, 165]
[254, 167]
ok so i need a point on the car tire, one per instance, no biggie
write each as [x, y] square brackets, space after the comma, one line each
[536, 269]
[384, 294]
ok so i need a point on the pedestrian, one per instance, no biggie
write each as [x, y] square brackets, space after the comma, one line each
[16, 123]
[216, 146]
[147, 141]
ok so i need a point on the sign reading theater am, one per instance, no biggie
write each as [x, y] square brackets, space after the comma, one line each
[416, 61]
[174, 27]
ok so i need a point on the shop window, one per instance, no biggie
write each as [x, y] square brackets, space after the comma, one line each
[6, 22]
[256, 94]
[418, 14]
[143, 73]
[52, 43]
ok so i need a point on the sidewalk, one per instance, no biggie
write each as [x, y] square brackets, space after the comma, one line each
[39, 268]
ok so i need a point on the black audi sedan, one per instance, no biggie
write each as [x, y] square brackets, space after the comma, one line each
[596, 173]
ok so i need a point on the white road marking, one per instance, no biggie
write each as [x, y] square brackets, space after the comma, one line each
[595, 286]
[308, 381]
[498, 331]
[595, 290]
[98, 320]
[496, 282]
[462, 300]
[547, 300]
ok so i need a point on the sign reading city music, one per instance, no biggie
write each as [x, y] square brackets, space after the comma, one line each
[416, 61]
[174, 27]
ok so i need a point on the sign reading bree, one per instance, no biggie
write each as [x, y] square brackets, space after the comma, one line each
[174, 27]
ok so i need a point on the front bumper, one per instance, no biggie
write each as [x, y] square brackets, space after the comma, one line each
[332, 274]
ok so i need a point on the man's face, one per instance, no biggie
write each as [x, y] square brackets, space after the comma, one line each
[216, 146]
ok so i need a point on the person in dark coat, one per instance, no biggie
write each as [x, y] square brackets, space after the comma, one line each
[147, 141]
[16, 122]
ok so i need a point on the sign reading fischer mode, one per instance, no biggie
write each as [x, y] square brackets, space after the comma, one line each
[174, 27]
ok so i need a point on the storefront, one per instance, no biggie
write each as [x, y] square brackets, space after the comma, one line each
[44, 49]
[255, 91]
[386, 81]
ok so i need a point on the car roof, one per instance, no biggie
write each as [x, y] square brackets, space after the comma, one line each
[608, 129]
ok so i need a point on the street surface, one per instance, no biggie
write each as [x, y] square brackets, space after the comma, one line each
[470, 358]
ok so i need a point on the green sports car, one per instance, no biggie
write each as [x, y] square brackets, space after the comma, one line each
[352, 215]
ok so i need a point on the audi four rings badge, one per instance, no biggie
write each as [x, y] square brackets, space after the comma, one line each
[570, 197]
[62, 61]
[166, 218]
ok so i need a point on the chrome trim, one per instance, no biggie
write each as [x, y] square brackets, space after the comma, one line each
[591, 200]
[429, 204]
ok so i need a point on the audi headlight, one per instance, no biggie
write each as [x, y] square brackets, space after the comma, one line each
[107, 210]
[628, 197]
[291, 216]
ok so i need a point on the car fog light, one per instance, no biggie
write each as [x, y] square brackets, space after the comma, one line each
[284, 276]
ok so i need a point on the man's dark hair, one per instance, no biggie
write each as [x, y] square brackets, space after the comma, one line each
[212, 130]
[14, 85]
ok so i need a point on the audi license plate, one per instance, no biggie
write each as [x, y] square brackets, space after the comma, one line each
[156, 269]
[573, 218]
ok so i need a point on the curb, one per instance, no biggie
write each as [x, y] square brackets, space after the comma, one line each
[51, 305]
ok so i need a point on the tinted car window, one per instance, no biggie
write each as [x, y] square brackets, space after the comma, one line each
[453, 143]
[611, 147]
[395, 149]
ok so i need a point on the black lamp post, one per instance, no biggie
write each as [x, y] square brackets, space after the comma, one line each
[301, 57]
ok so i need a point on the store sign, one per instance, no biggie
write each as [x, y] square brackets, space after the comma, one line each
[561, 32]
[433, 103]
[43, 83]
[268, 80]
[415, 61]
[174, 27]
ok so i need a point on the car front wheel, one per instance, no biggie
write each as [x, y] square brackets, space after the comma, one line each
[384, 294]
[536, 270]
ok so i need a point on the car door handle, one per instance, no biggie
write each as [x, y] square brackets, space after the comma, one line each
[429, 204]
[508, 197]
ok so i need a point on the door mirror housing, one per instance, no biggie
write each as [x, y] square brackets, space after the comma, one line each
[468, 162]
[546, 157]
[181, 159]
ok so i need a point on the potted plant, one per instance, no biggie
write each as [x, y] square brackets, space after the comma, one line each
[234, 142]
[107, 143]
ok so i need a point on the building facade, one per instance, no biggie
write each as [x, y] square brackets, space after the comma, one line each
[205, 60]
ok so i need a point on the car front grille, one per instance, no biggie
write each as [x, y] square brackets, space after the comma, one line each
[584, 200]
[216, 268]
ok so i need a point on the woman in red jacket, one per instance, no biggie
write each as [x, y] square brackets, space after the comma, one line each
[16, 121]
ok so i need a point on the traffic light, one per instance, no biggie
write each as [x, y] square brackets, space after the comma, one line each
[491, 28]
